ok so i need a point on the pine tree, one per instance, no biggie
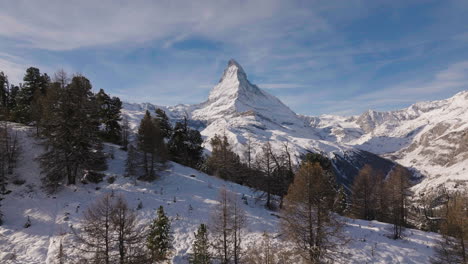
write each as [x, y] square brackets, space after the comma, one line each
[185, 145]
[33, 81]
[164, 124]
[151, 144]
[109, 116]
[71, 128]
[12, 100]
[201, 247]
[159, 240]
[223, 162]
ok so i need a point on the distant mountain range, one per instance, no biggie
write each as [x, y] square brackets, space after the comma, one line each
[429, 138]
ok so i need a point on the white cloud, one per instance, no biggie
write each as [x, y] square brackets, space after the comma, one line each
[65, 25]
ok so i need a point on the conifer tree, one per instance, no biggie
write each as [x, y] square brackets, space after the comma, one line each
[164, 124]
[12, 100]
[201, 247]
[185, 145]
[151, 144]
[33, 81]
[223, 162]
[71, 131]
[109, 116]
[159, 240]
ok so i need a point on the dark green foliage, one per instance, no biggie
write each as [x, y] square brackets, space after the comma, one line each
[159, 240]
[223, 162]
[109, 116]
[71, 128]
[34, 84]
[163, 122]
[99, 161]
[201, 247]
[185, 145]
[151, 144]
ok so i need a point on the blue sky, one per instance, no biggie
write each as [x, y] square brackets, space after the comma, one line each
[318, 57]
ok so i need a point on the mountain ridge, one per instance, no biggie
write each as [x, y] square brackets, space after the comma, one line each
[244, 112]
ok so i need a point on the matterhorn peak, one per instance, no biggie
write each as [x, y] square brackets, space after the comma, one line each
[234, 71]
[235, 94]
[233, 84]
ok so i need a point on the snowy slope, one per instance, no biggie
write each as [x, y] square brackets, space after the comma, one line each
[52, 216]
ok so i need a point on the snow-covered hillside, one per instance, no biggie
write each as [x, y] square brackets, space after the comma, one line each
[430, 137]
[178, 189]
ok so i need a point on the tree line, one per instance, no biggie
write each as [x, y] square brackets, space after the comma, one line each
[110, 232]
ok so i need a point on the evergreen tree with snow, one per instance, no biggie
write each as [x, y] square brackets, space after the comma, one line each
[159, 240]
[201, 247]
[163, 122]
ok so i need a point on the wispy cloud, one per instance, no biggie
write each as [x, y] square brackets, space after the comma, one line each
[318, 56]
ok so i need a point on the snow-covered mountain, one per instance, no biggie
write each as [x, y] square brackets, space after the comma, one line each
[430, 137]
[235, 95]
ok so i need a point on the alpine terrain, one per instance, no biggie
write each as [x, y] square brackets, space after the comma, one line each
[429, 138]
